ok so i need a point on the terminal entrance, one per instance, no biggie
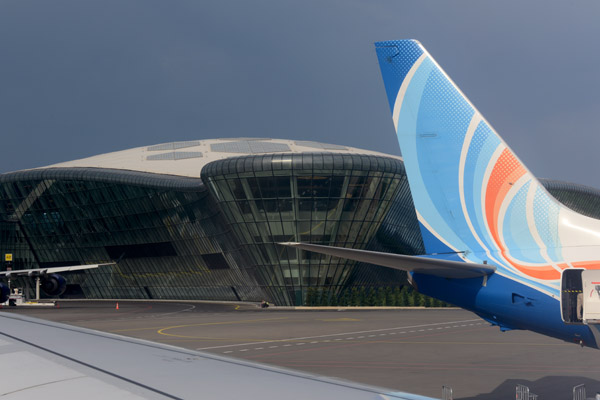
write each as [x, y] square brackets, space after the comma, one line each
[580, 296]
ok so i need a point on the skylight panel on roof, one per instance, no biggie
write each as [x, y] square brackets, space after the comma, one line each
[174, 145]
[249, 147]
[267, 147]
[318, 145]
[174, 155]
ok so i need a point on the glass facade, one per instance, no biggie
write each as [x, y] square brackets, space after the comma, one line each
[171, 235]
[215, 237]
[323, 198]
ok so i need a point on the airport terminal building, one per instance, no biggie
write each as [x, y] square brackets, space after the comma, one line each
[202, 219]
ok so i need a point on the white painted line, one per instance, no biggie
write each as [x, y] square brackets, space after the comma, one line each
[244, 350]
[273, 347]
[286, 345]
[349, 338]
[190, 308]
[338, 334]
[258, 348]
[314, 342]
[228, 351]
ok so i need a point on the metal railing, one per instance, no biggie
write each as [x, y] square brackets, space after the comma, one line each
[579, 392]
[447, 393]
[522, 393]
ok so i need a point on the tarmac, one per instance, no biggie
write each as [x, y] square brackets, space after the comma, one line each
[413, 350]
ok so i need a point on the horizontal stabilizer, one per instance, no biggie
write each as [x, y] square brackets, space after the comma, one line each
[421, 265]
[51, 270]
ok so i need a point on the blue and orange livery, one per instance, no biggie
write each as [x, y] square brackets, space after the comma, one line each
[497, 242]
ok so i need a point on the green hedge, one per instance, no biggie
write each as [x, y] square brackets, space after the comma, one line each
[372, 296]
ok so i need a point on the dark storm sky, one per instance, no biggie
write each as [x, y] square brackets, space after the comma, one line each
[80, 78]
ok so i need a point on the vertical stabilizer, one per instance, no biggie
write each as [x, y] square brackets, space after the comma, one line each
[473, 196]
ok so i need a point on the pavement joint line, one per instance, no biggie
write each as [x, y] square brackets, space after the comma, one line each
[350, 338]
[190, 308]
[332, 334]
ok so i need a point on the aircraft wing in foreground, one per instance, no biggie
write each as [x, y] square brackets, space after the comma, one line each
[41, 359]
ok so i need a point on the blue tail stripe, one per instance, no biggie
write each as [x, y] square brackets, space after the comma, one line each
[433, 245]
[484, 143]
[403, 53]
[546, 215]
[519, 240]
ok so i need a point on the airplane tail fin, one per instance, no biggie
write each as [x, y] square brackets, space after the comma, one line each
[474, 198]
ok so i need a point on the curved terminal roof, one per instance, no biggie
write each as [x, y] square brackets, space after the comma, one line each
[187, 158]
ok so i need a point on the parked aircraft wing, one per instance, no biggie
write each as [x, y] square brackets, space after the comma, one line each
[51, 270]
[42, 359]
[423, 265]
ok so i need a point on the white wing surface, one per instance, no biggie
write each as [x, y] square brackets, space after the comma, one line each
[41, 359]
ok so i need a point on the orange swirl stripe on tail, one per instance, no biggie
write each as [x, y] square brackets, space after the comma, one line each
[506, 172]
